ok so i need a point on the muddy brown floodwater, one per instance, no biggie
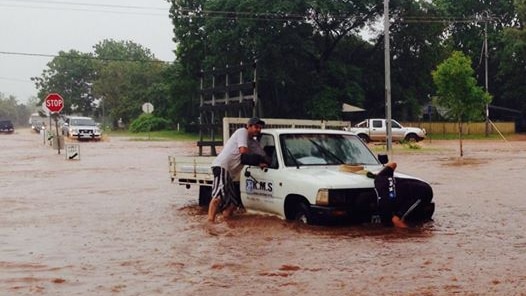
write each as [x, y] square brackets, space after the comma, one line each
[112, 223]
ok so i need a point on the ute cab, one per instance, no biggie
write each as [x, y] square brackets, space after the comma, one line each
[315, 176]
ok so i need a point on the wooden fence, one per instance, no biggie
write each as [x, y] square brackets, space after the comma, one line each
[472, 128]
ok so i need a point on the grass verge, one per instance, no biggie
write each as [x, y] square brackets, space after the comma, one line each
[166, 135]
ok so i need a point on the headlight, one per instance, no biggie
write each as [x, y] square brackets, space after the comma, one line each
[322, 198]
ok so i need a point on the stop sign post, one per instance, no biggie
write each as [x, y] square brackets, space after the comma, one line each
[55, 103]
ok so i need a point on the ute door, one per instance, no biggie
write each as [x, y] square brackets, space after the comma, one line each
[258, 186]
[377, 130]
[397, 131]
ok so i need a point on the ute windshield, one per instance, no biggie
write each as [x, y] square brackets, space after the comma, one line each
[325, 149]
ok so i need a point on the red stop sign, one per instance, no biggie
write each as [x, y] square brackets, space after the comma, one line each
[54, 102]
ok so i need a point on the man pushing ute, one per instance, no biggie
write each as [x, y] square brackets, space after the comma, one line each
[402, 200]
[228, 165]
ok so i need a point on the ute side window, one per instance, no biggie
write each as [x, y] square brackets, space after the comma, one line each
[363, 124]
[377, 123]
[269, 146]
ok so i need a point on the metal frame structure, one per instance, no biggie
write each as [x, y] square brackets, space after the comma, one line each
[228, 92]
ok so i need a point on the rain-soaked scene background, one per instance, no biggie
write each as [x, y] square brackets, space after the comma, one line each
[112, 223]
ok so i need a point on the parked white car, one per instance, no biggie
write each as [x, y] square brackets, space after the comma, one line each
[81, 127]
[375, 129]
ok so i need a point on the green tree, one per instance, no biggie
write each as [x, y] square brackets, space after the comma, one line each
[12, 110]
[8, 107]
[458, 92]
[512, 66]
[189, 34]
[416, 47]
[294, 42]
[112, 82]
[69, 74]
[470, 20]
[128, 76]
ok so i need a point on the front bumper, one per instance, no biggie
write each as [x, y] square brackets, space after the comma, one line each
[328, 214]
[85, 135]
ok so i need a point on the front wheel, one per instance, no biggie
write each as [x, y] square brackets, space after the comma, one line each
[411, 138]
[303, 214]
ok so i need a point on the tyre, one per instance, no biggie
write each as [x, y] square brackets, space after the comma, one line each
[411, 138]
[303, 214]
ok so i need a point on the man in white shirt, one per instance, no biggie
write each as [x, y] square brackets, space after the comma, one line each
[227, 169]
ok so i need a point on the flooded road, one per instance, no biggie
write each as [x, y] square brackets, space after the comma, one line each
[112, 223]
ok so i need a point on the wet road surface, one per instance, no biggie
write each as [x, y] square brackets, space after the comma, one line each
[112, 223]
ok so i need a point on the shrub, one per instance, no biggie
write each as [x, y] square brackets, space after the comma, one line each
[148, 122]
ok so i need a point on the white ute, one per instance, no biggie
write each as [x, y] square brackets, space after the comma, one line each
[309, 179]
[376, 130]
[81, 127]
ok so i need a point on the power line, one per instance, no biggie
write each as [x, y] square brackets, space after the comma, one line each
[240, 15]
[88, 4]
[28, 54]
[16, 79]
[79, 57]
[283, 16]
[121, 9]
[439, 19]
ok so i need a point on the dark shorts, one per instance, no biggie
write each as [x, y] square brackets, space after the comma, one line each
[225, 189]
[405, 198]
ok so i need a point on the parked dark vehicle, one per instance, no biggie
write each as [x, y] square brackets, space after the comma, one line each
[6, 127]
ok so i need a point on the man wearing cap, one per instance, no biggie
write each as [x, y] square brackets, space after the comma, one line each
[228, 165]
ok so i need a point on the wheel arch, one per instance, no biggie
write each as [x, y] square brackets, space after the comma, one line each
[291, 203]
[412, 137]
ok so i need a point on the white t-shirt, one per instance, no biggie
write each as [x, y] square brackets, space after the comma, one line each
[230, 157]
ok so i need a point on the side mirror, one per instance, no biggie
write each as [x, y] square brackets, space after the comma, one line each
[247, 173]
[383, 158]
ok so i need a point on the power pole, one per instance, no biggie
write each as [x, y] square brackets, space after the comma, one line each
[387, 65]
[486, 69]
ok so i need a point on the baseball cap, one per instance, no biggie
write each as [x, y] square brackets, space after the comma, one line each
[255, 120]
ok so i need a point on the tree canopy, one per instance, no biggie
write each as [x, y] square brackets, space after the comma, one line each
[311, 56]
[457, 90]
[10, 109]
[112, 82]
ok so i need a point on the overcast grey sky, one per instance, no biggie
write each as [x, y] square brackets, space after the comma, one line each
[31, 30]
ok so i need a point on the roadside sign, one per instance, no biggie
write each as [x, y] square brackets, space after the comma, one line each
[54, 102]
[45, 109]
[72, 152]
[147, 108]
